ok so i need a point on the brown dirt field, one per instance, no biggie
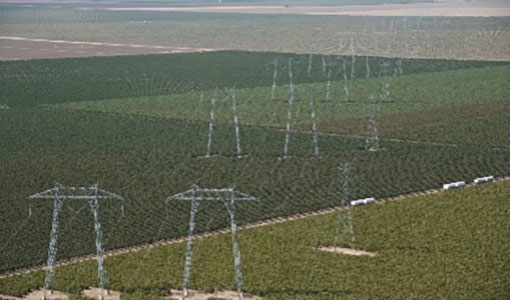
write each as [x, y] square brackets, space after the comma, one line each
[450, 8]
[95, 293]
[96, 4]
[16, 48]
[37, 295]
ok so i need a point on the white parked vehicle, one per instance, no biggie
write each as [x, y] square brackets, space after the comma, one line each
[486, 179]
[454, 185]
[362, 201]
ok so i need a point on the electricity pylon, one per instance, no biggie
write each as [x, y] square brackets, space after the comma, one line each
[236, 123]
[345, 229]
[372, 140]
[315, 136]
[227, 196]
[60, 194]
[275, 75]
[385, 87]
[289, 112]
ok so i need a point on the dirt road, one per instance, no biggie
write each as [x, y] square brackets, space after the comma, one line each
[447, 8]
[19, 48]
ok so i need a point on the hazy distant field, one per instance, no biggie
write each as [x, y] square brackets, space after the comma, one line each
[433, 37]
[126, 3]
[437, 9]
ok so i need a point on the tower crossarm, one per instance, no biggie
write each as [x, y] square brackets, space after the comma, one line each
[213, 194]
[76, 193]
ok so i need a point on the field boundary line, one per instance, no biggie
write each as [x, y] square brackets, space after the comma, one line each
[17, 38]
[279, 129]
[270, 221]
[430, 143]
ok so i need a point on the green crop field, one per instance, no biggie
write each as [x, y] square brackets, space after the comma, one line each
[66, 128]
[447, 246]
[36, 82]
[481, 92]
[150, 159]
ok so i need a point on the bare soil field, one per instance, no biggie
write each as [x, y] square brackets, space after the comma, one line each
[96, 293]
[450, 8]
[54, 295]
[17, 48]
[200, 295]
[453, 8]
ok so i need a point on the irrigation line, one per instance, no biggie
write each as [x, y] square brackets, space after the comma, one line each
[271, 221]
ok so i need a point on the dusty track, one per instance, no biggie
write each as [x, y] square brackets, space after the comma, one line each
[222, 231]
[5, 297]
[17, 48]
[449, 8]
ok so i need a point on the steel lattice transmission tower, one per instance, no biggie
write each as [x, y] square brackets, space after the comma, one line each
[60, 194]
[236, 123]
[315, 136]
[345, 229]
[211, 122]
[275, 76]
[227, 196]
[289, 112]
[372, 140]
[385, 87]
[328, 71]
